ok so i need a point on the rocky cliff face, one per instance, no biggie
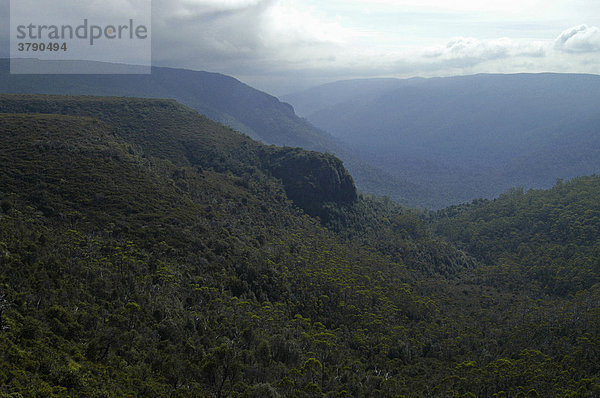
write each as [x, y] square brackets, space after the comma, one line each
[311, 179]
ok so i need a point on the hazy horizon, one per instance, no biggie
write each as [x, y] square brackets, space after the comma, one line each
[282, 46]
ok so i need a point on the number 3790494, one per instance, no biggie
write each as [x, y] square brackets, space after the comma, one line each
[42, 47]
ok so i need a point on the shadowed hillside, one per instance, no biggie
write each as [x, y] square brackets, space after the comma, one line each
[165, 129]
[148, 251]
[230, 102]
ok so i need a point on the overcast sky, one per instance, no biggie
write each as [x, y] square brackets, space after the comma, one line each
[284, 45]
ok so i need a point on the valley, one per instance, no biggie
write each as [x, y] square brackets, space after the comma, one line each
[146, 250]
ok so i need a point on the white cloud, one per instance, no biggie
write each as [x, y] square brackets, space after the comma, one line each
[190, 9]
[244, 33]
[286, 23]
[579, 39]
[508, 7]
[220, 4]
[269, 38]
[288, 42]
[475, 50]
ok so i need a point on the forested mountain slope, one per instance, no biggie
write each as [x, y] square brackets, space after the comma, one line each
[147, 251]
[164, 129]
[219, 97]
[466, 137]
[550, 238]
[226, 100]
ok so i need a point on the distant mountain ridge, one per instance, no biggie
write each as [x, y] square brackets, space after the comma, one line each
[466, 137]
[226, 100]
[219, 97]
[327, 95]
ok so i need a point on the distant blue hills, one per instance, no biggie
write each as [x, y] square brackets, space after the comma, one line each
[466, 137]
[423, 142]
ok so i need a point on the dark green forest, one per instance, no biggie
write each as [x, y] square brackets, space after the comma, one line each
[146, 251]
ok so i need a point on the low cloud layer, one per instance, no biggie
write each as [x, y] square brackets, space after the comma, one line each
[475, 51]
[579, 39]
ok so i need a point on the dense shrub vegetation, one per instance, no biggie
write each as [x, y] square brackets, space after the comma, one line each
[549, 237]
[147, 251]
